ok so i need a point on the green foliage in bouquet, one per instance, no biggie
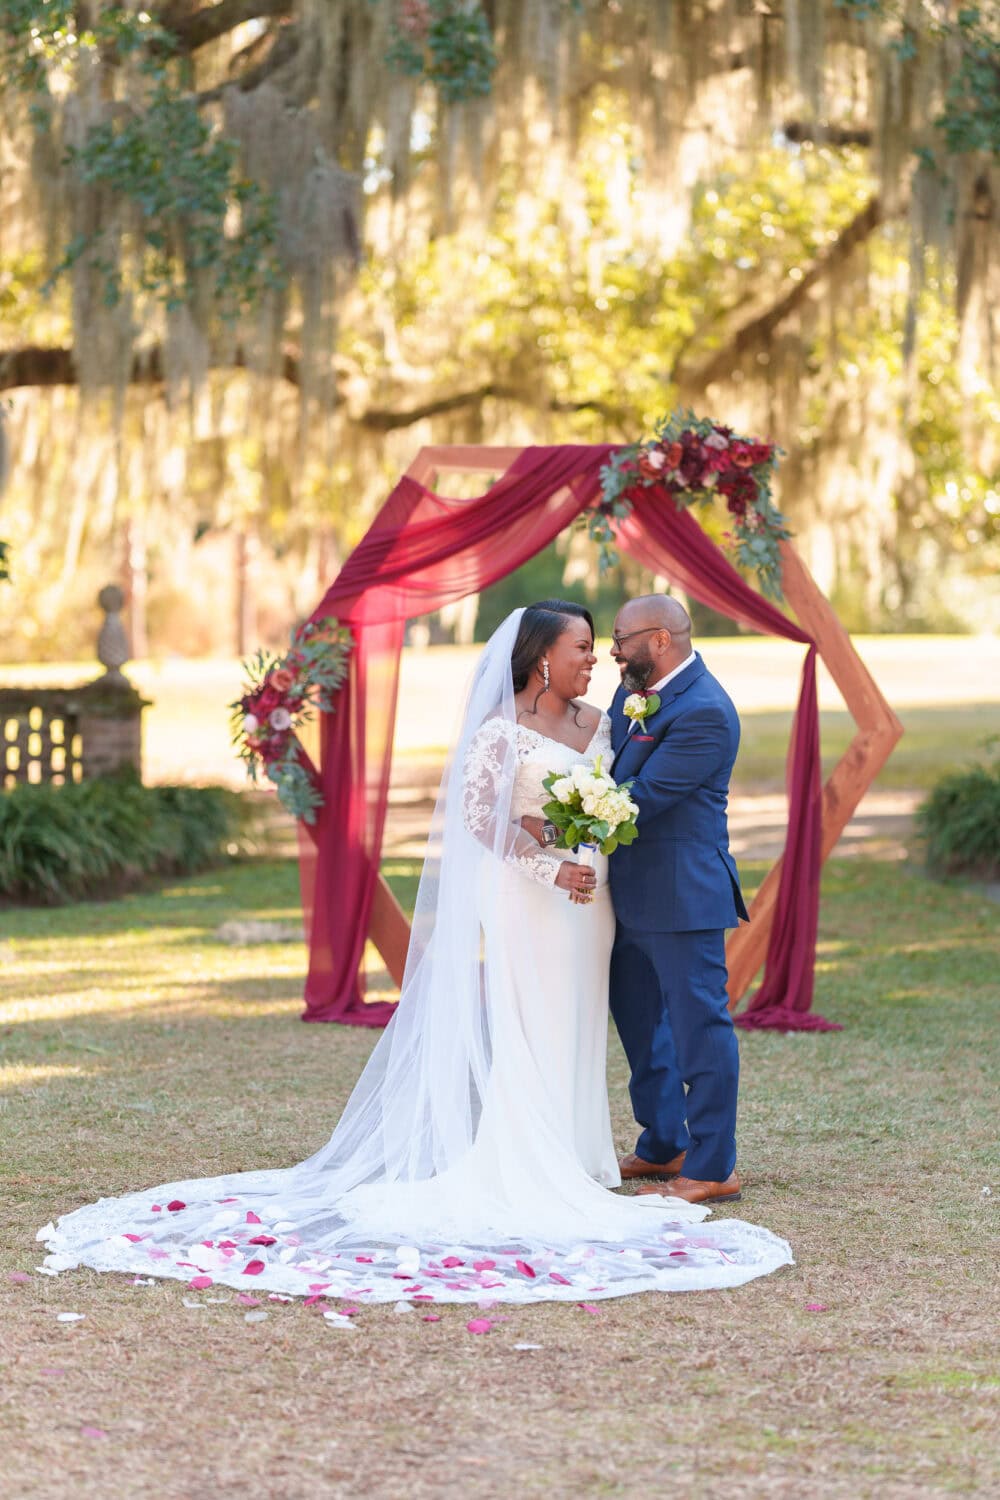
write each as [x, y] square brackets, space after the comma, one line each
[102, 837]
[960, 822]
[281, 694]
[588, 807]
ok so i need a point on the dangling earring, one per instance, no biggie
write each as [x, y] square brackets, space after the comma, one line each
[545, 673]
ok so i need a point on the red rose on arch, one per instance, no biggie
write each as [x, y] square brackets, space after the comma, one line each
[692, 463]
[674, 452]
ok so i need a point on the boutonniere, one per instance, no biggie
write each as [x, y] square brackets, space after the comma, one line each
[638, 705]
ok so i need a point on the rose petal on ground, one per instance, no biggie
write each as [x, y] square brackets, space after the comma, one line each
[364, 1260]
[588, 1307]
[18, 1276]
[479, 1325]
[404, 1307]
[156, 1209]
[279, 1297]
[69, 1317]
[52, 1372]
[253, 1268]
[451, 1261]
[255, 1317]
[525, 1269]
[252, 1217]
[246, 1301]
[527, 1346]
[432, 1317]
[562, 1280]
[199, 1283]
[175, 1205]
[263, 1239]
[93, 1432]
[135, 1238]
[484, 1265]
[144, 1281]
[816, 1307]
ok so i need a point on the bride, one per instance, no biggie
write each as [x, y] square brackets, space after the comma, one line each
[474, 1158]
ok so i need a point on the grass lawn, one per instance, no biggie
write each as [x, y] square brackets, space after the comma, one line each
[136, 1048]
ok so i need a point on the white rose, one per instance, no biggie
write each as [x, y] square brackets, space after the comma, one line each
[590, 806]
[634, 706]
[279, 719]
[251, 724]
[562, 790]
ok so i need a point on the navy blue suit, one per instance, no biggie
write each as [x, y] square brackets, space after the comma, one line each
[675, 891]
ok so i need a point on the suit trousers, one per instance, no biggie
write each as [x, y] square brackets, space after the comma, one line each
[669, 1003]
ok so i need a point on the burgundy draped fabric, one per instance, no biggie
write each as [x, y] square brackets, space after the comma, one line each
[425, 550]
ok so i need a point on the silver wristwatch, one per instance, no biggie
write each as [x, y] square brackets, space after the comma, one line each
[549, 833]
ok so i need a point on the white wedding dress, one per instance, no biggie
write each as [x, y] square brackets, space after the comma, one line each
[474, 1160]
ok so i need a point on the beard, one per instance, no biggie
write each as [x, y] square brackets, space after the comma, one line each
[638, 671]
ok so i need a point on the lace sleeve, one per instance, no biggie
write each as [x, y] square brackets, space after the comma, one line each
[492, 760]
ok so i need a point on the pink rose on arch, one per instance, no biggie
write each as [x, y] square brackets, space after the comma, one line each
[282, 679]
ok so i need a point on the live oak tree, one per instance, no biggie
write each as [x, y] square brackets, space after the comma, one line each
[254, 251]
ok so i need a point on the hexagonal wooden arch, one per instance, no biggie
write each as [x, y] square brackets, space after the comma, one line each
[878, 730]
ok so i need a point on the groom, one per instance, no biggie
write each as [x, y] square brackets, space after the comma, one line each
[675, 891]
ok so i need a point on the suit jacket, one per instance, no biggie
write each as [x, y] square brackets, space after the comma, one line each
[679, 875]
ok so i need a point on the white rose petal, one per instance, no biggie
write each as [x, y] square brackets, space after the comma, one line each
[69, 1317]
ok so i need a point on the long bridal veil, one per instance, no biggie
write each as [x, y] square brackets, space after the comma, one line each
[447, 1178]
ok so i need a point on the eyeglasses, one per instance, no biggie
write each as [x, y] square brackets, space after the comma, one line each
[617, 641]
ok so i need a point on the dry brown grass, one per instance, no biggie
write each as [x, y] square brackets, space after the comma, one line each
[137, 1049]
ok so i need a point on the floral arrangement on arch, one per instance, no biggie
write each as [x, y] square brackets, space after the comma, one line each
[280, 695]
[693, 459]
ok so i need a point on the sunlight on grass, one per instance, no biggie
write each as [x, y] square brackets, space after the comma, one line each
[23, 1075]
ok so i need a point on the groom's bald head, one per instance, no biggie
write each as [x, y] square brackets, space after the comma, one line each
[655, 635]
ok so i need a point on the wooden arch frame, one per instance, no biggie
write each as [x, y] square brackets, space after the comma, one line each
[878, 730]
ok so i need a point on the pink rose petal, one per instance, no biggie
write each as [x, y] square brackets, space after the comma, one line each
[479, 1325]
[199, 1283]
[816, 1307]
[263, 1239]
[555, 1276]
[451, 1261]
[245, 1301]
[135, 1238]
[253, 1268]
[364, 1260]
[432, 1317]
[588, 1307]
[175, 1205]
[52, 1372]
[484, 1265]
[18, 1276]
[525, 1269]
[156, 1209]
[93, 1432]
[252, 1217]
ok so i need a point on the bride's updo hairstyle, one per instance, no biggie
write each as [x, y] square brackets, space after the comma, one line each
[541, 626]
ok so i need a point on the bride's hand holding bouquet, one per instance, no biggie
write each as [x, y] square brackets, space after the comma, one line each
[591, 811]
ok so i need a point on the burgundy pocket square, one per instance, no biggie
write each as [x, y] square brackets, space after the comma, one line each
[644, 737]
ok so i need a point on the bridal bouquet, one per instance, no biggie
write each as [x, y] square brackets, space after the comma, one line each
[589, 808]
[280, 695]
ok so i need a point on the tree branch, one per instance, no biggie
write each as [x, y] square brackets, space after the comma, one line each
[755, 334]
[798, 131]
[192, 30]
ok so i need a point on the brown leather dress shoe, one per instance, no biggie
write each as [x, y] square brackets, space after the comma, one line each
[693, 1191]
[633, 1166]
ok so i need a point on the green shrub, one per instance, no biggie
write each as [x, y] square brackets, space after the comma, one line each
[100, 837]
[960, 821]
